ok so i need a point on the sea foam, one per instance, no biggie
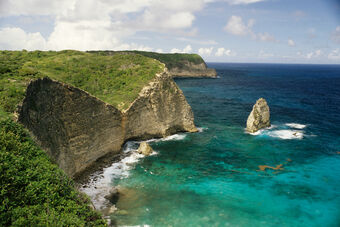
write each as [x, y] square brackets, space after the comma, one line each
[99, 186]
[296, 125]
[201, 129]
[179, 136]
[286, 134]
[294, 131]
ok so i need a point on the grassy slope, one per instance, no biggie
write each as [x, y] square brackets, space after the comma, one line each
[35, 192]
[170, 60]
[115, 79]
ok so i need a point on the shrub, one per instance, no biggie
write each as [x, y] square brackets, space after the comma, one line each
[33, 190]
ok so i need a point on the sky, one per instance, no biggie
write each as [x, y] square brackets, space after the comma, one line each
[273, 31]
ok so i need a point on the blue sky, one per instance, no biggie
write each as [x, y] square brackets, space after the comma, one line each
[278, 31]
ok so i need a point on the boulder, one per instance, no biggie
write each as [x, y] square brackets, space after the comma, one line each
[145, 149]
[113, 195]
[259, 117]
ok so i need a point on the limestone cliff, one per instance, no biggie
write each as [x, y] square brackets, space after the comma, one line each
[259, 117]
[190, 69]
[160, 110]
[76, 128]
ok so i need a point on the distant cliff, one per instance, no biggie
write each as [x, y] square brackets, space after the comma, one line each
[76, 128]
[190, 69]
[179, 64]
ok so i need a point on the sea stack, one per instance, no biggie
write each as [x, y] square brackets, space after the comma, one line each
[145, 149]
[259, 117]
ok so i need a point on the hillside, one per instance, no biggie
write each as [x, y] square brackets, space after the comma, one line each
[179, 64]
[78, 107]
[35, 192]
[116, 79]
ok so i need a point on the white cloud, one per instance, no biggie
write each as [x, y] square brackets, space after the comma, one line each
[263, 54]
[17, 39]
[187, 49]
[159, 50]
[34, 7]
[315, 54]
[237, 2]
[90, 24]
[134, 46]
[222, 51]
[291, 42]
[175, 50]
[334, 55]
[236, 26]
[202, 42]
[298, 14]
[265, 37]
[336, 35]
[311, 32]
[205, 51]
[310, 55]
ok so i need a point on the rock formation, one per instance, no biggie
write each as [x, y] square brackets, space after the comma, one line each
[76, 128]
[259, 116]
[191, 69]
[160, 110]
[145, 149]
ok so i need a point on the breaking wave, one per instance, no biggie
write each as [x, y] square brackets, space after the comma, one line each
[285, 131]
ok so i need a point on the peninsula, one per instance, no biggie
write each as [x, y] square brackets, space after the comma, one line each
[81, 106]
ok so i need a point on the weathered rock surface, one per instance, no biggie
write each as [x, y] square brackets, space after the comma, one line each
[145, 149]
[190, 69]
[76, 128]
[160, 110]
[259, 117]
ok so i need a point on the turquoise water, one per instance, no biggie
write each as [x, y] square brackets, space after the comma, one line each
[213, 178]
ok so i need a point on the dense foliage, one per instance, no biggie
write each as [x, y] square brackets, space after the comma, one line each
[115, 79]
[176, 60]
[33, 191]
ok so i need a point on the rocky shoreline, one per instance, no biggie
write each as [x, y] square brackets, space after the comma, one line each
[76, 128]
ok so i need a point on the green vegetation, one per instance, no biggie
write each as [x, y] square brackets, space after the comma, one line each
[115, 79]
[170, 60]
[33, 191]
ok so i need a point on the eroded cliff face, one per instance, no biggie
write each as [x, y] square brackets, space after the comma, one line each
[191, 69]
[160, 110]
[76, 128]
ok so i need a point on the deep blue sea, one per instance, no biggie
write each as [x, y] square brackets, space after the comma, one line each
[213, 178]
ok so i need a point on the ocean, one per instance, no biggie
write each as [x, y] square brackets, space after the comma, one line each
[285, 175]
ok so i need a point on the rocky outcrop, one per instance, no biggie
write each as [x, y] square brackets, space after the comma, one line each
[259, 117]
[145, 149]
[160, 110]
[190, 69]
[76, 128]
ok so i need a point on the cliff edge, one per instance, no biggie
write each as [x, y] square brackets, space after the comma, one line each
[76, 128]
[178, 64]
